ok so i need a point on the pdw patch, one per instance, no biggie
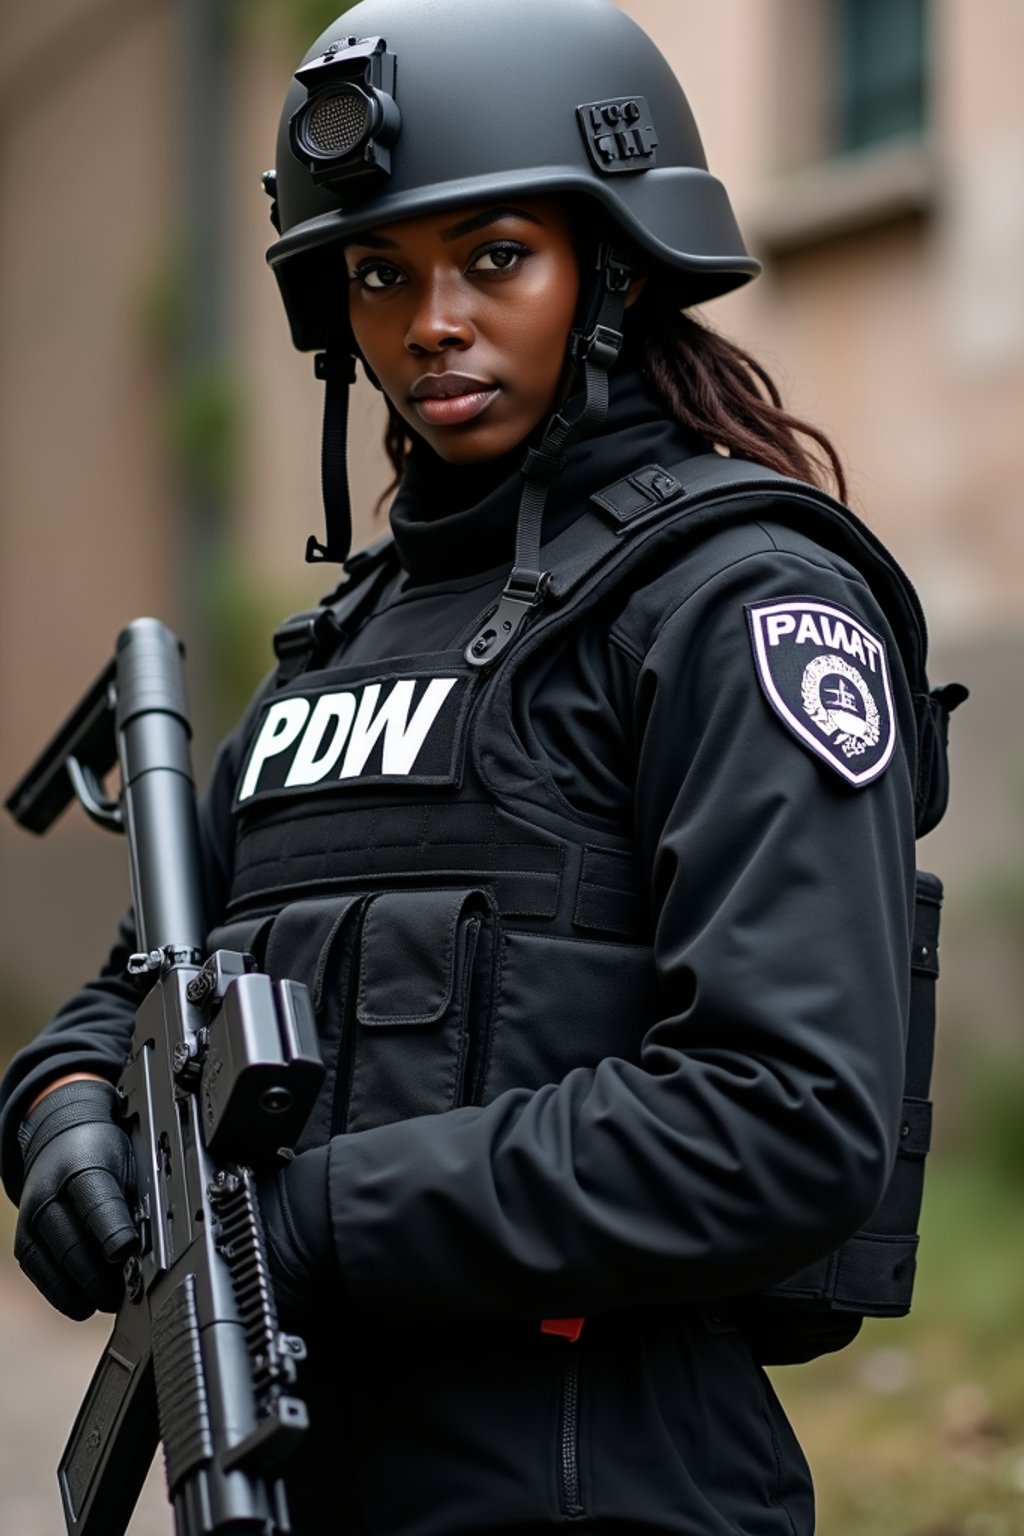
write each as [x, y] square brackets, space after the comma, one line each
[826, 676]
[378, 730]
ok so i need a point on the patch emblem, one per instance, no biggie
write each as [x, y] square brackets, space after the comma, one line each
[826, 676]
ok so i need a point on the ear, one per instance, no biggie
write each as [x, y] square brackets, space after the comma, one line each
[636, 288]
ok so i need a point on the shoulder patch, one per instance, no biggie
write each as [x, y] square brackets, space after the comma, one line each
[826, 676]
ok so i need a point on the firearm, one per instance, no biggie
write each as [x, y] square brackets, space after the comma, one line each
[223, 1071]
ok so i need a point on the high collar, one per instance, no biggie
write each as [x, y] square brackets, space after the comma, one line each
[455, 520]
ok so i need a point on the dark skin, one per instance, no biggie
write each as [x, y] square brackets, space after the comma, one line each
[464, 317]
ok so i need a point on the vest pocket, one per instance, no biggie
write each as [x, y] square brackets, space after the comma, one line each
[423, 1004]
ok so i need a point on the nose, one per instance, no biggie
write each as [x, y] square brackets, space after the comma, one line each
[440, 319]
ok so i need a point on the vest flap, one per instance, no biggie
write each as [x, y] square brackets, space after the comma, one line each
[301, 939]
[244, 936]
[408, 956]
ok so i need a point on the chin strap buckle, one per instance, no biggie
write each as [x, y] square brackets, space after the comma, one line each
[523, 592]
[601, 346]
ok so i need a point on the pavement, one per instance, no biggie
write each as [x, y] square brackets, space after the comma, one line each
[45, 1365]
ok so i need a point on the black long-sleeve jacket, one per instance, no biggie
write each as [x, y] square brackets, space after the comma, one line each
[689, 1080]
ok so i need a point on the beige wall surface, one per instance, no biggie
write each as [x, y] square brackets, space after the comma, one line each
[86, 527]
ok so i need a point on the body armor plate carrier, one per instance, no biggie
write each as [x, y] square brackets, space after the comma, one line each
[423, 904]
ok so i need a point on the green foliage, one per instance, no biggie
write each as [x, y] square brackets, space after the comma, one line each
[918, 1428]
[994, 1110]
[160, 308]
[1000, 897]
[294, 23]
[204, 424]
[243, 612]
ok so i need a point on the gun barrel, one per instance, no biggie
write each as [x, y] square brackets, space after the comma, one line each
[157, 788]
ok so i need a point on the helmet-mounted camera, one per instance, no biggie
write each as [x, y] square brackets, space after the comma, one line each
[345, 128]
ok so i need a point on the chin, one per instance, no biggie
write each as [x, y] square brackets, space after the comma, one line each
[468, 453]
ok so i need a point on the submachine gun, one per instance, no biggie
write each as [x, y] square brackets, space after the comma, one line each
[223, 1071]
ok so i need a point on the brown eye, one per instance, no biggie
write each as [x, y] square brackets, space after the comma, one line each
[377, 275]
[505, 257]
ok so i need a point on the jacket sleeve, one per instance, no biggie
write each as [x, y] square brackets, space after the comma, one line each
[92, 1031]
[758, 1128]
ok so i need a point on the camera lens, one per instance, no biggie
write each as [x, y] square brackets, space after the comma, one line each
[335, 123]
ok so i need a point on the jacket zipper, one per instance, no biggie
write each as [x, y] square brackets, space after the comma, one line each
[570, 1493]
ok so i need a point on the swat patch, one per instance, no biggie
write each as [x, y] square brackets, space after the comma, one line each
[826, 676]
[379, 730]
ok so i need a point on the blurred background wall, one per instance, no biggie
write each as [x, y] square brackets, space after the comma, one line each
[159, 438]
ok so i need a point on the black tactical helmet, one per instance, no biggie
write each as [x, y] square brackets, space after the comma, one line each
[403, 107]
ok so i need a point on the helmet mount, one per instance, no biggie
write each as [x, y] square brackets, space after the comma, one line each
[345, 128]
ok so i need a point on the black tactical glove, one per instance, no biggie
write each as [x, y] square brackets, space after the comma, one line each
[300, 1241]
[74, 1222]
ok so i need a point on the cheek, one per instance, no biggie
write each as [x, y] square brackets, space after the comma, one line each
[370, 336]
[541, 329]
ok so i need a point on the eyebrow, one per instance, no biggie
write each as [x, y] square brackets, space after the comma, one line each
[455, 232]
[488, 216]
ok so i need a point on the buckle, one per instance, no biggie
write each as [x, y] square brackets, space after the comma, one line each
[601, 347]
[542, 467]
[618, 274]
[335, 364]
[300, 634]
[524, 591]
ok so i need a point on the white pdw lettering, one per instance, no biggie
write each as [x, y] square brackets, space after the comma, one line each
[780, 624]
[403, 737]
[332, 710]
[284, 721]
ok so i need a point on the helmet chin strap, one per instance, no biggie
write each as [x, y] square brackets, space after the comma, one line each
[594, 348]
[337, 368]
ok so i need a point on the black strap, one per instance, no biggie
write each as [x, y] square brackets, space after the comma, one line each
[595, 349]
[338, 371]
[872, 1273]
[304, 637]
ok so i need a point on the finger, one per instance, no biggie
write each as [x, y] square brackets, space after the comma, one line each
[58, 1288]
[69, 1246]
[98, 1201]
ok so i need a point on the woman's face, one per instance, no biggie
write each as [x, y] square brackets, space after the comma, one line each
[464, 317]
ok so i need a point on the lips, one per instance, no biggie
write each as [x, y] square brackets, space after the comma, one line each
[448, 386]
[448, 399]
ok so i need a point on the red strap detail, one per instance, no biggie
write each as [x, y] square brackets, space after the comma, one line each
[565, 1327]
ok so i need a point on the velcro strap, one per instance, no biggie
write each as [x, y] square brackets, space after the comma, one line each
[875, 1275]
[915, 1128]
[639, 492]
[924, 953]
[607, 898]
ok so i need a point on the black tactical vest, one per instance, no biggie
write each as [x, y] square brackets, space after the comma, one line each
[385, 858]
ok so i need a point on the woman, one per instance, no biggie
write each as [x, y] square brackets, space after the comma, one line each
[590, 827]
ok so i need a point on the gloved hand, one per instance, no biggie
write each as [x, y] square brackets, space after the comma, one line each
[75, 1225]
[300, 1241]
